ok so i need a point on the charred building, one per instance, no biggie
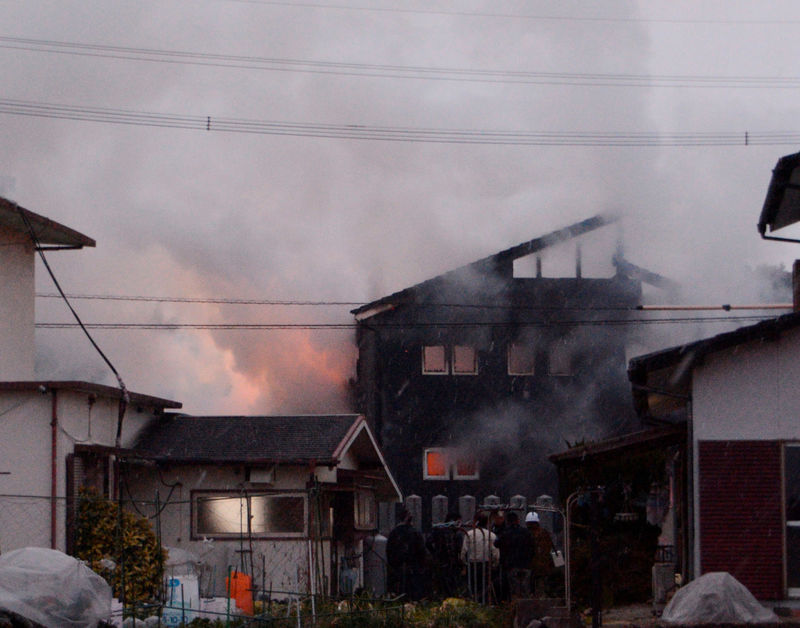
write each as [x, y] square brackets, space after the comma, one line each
[472, 378]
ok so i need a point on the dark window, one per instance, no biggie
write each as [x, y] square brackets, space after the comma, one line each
[521, 359]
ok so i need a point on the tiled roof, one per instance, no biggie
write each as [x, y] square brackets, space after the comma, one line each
[270, 439]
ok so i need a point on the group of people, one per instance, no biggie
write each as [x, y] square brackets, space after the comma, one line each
[492, 559]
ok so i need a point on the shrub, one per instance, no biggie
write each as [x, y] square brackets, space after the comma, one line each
[123, 549]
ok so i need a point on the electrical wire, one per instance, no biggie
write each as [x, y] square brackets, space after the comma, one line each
[513, 16]
[446, 304]
[276, 64]
[125, 396]
[397, 134]
[440, 324]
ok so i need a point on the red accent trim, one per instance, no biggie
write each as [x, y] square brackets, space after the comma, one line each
[53, 468]
[741, 517]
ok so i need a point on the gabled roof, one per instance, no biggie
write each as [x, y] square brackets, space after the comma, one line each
[100, 390]
[487, 265]
[47, 232]
[301, 439]
[661, 380]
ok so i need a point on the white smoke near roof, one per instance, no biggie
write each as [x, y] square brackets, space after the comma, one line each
[194, 213]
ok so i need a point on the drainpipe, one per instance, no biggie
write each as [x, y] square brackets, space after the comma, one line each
[53, 467]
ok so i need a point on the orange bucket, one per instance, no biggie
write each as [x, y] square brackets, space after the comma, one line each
[240, 589]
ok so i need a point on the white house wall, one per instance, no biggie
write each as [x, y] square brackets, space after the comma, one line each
[285, 561]
[748, 392]
[26, 457]
[17, 297]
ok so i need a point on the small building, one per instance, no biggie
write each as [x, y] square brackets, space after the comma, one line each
[737, 395]
[289, 499]
[54, 435]
[472, 378]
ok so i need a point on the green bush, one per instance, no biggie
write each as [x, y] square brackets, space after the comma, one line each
[123, 549]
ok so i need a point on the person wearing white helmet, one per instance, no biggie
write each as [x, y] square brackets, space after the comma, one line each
[541, 565]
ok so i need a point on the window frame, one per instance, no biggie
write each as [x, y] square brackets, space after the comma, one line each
[474, 370]
[426, 370]
[450, 459]
[558, 346]
[198, 495]
[459, 476]
[449, 356]
[446, 460]
[533, 350]
[362, 495]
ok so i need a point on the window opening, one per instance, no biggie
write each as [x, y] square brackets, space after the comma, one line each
[465, 468]
[521, 359]
[225, 515]
[435, 465]
[560, 357]
[434, 359]
[465, 360]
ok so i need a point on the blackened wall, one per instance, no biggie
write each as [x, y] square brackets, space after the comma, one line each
[509, 423]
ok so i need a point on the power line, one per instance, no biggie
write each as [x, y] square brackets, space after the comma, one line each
[353, 326]
[444, 304]
[203, 300]
[395, 71]
[397, 134]
[515, 16]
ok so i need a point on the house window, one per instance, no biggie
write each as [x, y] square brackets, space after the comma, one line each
[521, 359]
[435, 465]
[465, 360]
[560, 358]
[465, 468]
[442, 463]
[366, 510]
[444, 360]
[434, 359]
[222, 515]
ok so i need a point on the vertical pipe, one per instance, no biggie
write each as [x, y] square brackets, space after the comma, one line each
[53, 467]
[594, 558]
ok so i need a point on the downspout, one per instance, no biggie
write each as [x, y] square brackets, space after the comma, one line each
[693, 556]
[53, 466]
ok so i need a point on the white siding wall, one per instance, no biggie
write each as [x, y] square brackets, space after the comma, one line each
[16, 307]
[749, 392]
[285, 561]
[26, 457]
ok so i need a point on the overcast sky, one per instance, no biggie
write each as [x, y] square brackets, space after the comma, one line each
[217, 214]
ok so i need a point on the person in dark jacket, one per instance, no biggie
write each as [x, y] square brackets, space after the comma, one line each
[405, 556]
[516, 553]
[444, 544]
[542, 562]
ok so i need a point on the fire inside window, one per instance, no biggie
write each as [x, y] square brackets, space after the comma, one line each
[445, 360]
[441, 463]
